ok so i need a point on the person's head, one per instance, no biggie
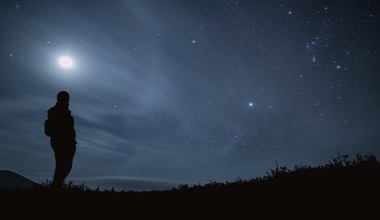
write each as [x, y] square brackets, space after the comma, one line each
[63, 97]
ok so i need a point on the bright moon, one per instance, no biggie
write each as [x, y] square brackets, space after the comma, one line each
[66, 62]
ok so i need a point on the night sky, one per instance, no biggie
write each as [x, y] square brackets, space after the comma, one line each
[174, 92]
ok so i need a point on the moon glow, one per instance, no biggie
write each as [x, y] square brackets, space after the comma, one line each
[66, 62]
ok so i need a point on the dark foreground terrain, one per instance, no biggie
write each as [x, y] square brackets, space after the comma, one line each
[342, 187]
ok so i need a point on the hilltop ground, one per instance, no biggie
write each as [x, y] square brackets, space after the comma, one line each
[341, 186]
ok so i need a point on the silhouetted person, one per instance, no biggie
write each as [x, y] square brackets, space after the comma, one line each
[60, 128]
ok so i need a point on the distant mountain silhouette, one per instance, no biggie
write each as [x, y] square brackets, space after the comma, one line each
[12, 180]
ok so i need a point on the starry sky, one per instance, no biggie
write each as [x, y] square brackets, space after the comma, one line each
[181, 92]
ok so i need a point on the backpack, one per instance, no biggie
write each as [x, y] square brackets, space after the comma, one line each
[48, 128]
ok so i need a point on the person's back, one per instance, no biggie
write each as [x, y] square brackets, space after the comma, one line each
[62, 125]
[62, 137]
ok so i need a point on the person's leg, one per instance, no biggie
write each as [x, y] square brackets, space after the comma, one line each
[59, 167]
[68, 155]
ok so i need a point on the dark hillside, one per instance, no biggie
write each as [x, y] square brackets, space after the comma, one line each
[340, 184]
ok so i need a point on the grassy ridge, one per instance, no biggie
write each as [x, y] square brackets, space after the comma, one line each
[351, 184]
